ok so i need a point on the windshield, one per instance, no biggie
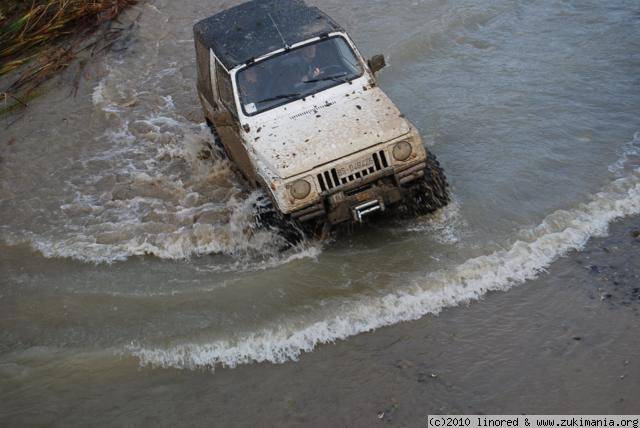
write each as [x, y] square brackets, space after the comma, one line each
[296, 74]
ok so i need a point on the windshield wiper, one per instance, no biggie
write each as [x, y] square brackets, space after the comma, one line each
[280, 97]
[335, 78]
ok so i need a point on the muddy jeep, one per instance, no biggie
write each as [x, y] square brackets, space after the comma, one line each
[298, 111]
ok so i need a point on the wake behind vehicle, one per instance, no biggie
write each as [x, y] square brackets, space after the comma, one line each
[299, 112]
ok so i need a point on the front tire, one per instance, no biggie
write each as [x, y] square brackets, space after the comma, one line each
[217, 143]
[268, 217]
[432, 192]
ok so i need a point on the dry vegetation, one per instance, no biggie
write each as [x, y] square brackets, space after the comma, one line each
[39, 38]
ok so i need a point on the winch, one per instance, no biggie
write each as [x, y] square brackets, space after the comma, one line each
[359, 211]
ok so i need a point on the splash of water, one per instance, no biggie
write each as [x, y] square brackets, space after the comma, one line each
[559, 233]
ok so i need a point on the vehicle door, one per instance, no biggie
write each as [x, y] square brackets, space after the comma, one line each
[226, 122]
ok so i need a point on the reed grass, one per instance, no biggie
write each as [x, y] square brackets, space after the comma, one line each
[39, 38]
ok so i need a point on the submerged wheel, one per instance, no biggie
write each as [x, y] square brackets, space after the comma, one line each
[269, 217]
[432, 193]
[217, 144]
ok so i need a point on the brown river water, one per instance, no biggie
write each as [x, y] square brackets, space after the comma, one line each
[132, 294]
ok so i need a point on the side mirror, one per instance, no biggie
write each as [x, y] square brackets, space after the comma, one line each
[377, 63]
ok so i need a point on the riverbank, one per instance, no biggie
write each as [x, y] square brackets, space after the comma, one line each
[565, 343]
[40, 39]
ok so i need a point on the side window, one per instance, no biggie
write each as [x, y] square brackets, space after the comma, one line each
[225, 89]
[204, 73]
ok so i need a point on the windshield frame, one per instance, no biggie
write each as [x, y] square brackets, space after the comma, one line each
[354, 50]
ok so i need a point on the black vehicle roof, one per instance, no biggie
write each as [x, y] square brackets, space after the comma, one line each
[258, 27]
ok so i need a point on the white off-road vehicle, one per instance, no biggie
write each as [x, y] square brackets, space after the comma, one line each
[298, 110]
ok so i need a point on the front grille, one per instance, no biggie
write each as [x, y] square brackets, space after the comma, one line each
[329, 179]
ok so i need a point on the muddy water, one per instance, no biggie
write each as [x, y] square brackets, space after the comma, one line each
[124, 239]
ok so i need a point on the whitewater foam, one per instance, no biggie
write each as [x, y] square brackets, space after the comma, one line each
[628, 151]
[446, 226]
[559, 233]
[153, 185]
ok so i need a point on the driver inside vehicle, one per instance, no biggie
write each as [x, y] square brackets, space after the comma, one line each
[310, 67]
[302, 69]
[296, 73]
[316, 61]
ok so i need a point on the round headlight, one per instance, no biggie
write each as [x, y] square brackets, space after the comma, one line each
[402, 151]
[300, 189]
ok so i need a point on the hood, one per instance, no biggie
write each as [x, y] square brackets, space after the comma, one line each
[317, 131]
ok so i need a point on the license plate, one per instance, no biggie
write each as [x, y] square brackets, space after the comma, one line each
[355, 166]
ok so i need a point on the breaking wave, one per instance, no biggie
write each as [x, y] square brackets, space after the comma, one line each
[560, 232]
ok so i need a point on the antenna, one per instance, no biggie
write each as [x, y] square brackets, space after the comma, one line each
[284, 42]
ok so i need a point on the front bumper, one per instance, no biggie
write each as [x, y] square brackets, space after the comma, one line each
[355, 201]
